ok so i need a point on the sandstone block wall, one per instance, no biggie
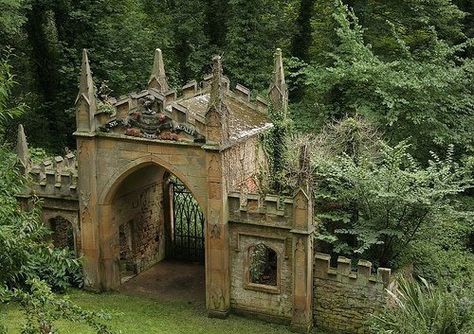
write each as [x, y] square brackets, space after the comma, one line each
[141, 210]
[345, 299]
[242, 163]
[278, 303]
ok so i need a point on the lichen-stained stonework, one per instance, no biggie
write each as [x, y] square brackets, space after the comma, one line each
[345, 299]
[115, 193]
[141, 210]
[253, 299]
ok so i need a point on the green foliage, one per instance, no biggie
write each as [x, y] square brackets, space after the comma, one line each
[263, 265]
[443, 255]
[276, 147]
[144, 314]
[42, 308]
[419, 97]
[425, 309]
[255, 30]
[24, 252]
[31, 267]
[11, 18]
[57, 267]
[372, 202]
[7, 82]
[418, 23]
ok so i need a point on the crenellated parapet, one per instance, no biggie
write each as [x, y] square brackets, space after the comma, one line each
[162, 113]
[55, 178]
[270, 210]
[294, 213]
[344, 272]
[186, 108]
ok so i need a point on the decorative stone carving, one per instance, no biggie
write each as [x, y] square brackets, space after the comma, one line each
[216, 299]
[148, 121]
[215, 231]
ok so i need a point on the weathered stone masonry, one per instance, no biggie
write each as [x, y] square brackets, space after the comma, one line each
[345, 299]
[138, 210]
[255, 220]
[114, 195]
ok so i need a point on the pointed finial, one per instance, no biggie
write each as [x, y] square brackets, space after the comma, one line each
[278, 89]
[216, 83]
[86, 104]
[158, 75]
[86, 85]
[217, 120]
[22, 149]
[279, 74]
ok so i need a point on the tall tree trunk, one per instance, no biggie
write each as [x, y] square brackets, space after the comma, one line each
[301, 41]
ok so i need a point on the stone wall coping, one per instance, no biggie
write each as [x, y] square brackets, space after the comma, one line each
[253, 223]
[343, 272]
[84, 134]
[267, 204]
[118, 136]
[48, 196]
[267, 197]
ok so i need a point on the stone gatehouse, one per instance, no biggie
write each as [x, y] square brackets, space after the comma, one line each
[159, 173]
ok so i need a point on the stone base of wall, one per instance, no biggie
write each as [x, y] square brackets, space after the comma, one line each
[344, 299]
[256, 314]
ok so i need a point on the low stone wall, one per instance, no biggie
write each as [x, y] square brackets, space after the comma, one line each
[345, 299]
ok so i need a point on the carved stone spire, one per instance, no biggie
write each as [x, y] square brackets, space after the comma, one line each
[216, 83]
[86, 104]
[158, 75]
[278, 89]
[22, 150]
[217, 113]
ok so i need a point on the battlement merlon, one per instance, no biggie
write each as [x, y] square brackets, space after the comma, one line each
[343, 272]
[51, 178]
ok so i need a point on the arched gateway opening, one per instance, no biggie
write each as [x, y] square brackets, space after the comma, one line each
[159, 226]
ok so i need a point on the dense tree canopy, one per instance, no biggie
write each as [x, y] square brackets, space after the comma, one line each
[404, 64]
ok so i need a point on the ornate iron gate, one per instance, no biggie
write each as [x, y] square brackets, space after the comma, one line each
[186, 241]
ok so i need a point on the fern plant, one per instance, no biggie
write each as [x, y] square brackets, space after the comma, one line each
[424, 309]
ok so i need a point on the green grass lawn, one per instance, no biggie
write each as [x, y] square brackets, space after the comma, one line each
[139, 315]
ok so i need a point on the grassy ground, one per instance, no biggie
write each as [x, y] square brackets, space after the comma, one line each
[139, 315]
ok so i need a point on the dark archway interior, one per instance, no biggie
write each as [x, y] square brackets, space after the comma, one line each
[157, 218]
